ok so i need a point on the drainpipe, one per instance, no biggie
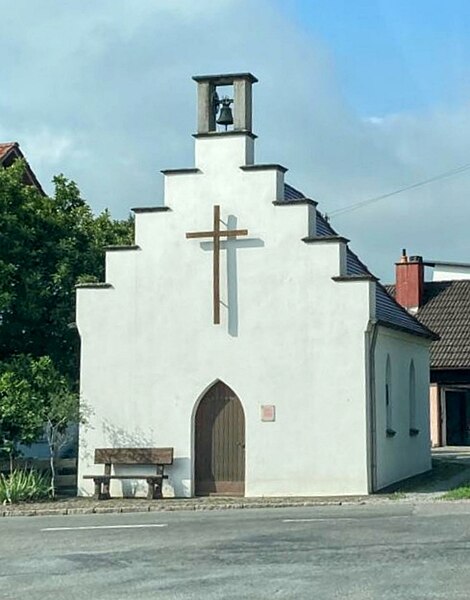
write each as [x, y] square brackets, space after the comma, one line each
[373, 330]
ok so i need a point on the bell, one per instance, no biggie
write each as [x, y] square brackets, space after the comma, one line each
[225, 117]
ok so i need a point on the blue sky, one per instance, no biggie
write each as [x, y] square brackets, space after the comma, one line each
[356, 98]
[423, 47]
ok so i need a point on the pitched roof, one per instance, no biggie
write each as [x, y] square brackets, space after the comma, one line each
[388, 312]
[9, 152]
[446, 310]
[6, 148]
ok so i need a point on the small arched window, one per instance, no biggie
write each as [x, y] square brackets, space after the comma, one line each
[412, 399]
[389, 398]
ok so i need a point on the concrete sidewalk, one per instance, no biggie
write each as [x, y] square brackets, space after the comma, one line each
[83, 506]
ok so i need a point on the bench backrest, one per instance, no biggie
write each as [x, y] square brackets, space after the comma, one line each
[134, 456]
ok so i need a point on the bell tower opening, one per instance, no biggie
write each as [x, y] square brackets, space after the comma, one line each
[224, 103]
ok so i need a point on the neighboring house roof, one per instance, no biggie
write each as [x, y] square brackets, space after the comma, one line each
[388, 312]
[6, 149]
[446, 310]
[9, 152]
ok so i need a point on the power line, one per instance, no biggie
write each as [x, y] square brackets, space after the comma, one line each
[357, 205]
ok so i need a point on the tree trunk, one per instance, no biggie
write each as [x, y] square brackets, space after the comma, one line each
[51, 445]
[52, 463]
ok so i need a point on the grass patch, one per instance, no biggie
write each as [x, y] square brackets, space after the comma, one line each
[462, 492]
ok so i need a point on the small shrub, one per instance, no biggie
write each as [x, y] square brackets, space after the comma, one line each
[23, 486]
[87, 279]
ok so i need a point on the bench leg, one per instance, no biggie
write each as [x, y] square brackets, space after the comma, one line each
[106, 494]
[154, 489]
[97, 494]
[101, 489]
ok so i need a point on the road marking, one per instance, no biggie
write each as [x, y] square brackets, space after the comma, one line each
[105, 527]
[344, 518]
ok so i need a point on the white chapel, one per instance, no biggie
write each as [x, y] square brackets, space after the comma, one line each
[241, 331]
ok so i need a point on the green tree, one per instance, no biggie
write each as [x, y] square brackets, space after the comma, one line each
[35, 397]
[21, 409]
[47, 244]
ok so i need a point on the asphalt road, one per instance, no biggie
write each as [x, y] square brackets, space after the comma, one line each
[374, 552]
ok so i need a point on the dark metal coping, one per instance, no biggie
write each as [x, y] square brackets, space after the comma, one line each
[118, 248]
[180, 171]
[450, 375]
[325, 239]
[466, 369]
[97, 285]
[425, 334]
[267, 167]
[225, 78]
[295, 202]
[232, 132]
[149, 209]
[355, 278]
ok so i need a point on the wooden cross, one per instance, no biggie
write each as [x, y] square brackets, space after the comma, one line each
[216, 234]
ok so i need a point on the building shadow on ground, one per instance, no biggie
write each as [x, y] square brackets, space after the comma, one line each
[450, 469]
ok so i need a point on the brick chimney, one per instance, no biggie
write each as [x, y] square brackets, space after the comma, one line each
[409, 282]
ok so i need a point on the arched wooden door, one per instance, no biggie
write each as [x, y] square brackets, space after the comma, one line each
[220, 443]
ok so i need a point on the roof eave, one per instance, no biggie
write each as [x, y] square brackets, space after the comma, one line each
[426, 333]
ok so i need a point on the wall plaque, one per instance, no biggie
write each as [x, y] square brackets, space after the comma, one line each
[268, 412]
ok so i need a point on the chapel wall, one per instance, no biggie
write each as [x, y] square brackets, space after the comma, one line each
[404, 453]
[290, 336]
[146, 363]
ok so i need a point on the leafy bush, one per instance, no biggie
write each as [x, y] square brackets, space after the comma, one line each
[23, 486]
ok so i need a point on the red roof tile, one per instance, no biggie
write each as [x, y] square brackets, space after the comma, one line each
[9, 152]
[6, 147]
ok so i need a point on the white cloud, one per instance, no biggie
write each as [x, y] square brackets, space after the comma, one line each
[49, 148]
[102, 91]
[374, 120]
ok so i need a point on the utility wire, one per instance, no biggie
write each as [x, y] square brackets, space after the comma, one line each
[357, 205]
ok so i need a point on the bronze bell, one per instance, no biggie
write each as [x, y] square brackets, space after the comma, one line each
[225, 117]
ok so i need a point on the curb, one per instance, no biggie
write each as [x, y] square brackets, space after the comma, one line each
[214, 506]
[99, 510]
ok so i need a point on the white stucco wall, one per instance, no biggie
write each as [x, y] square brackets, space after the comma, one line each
[450, 272]
[401, 455]
[290, 335]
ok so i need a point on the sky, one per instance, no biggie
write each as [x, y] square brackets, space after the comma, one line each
[357, 99]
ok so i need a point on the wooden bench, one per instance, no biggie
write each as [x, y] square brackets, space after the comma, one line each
[158, 457]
